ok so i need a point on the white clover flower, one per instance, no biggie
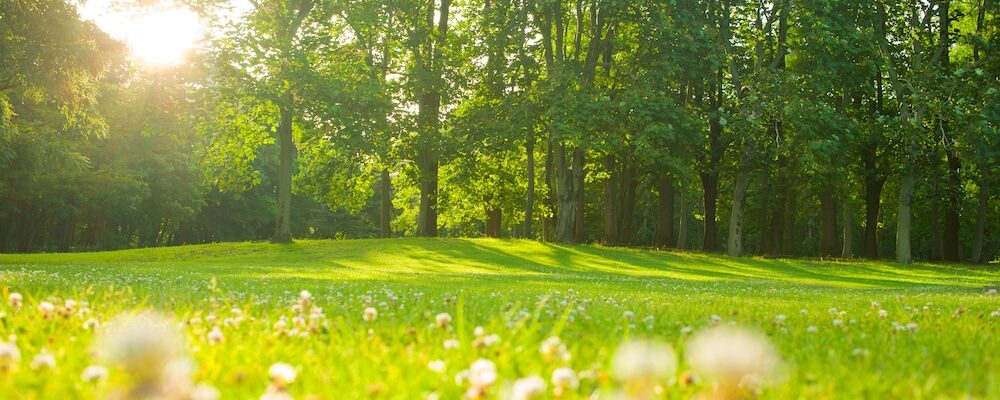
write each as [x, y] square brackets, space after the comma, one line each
[491, 340]
[91, 324]
[553, 349]
[479, 331]
[43, 361]
[94, 373]
[297, 308]
[10, 356]
[838, 322]
[991, 292]
[714, 319]
[628, 315]
[804, 312]
[531, 387]
[143, 345]
[874, 305]
[281, 373]
[70, 305]
[686, 330]
[451, 344]
[995, 314]
[730, 354]
[482, 373]
[779, 319]
[912, 326]
[15, 299]
[46, 309]
[437, 366]
[564, 379]
[204, 392]
[305, 295]
[215, 336]
[811, 329]
[644, 361]
[370, 314]
[883, 314]
[442, 320]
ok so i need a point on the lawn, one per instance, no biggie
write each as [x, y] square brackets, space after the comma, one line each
[410, 318]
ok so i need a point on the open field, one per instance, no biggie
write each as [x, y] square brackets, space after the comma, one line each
[841, 329]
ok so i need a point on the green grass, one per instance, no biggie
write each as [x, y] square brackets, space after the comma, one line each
[522, 291]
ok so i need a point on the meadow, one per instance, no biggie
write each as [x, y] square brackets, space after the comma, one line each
[481, 318]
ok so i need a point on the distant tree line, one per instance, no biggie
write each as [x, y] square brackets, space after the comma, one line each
[832, 128]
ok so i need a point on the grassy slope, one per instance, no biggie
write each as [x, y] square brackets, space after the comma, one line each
[414, 258]
[950, 356]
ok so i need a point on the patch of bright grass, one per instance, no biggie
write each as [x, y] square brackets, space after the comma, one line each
[938, 338]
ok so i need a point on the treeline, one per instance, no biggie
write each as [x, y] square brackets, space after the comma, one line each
[780, 128]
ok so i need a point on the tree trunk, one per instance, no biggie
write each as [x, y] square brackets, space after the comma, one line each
[566, 198]
[611, 192]
[827, 223]
[682, 233]
[710, 188]
[903, 216]
[977, 241]
[529, 200]
[873, 198]
[626, 205]
[664, 236]
[494, 217]
[952, 228]
[385, 198]
[579, 234]
[283, 226]
[789, 238]
[735, 247]
[427, 213]
[550, 191]
[848, 250]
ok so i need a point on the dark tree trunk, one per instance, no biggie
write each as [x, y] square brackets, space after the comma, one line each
[283, 226]
[873, 198]
[565, 195]
[611, 193]
[827, 223]
[529, 200]
[952, 251]
[977, 240]
[427, 217]
[710, 188]
[579, 234]
[493, 221]
[664, 236]
[385, 195]
[682, 229]
[789, 240]
[848, 249]
[626, 205]
[547, 221]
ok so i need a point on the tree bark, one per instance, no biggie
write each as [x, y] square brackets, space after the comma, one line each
[664, 235]
[611, 193]
[283, 226]
[710, 189]
[903, 216]
[848, 249]
[873, 198]
[494, 217]
[977, 241]
[580, 233]
[827, 223]
[682, 233]
[385, 214]
[529, 201]
[735, 247]
[626, 204]
[952, 229]
[566, 198]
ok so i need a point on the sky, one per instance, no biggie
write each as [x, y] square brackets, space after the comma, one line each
[157, 36]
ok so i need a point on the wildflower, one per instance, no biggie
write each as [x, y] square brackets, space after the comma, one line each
[43, 361]
[442, 320]
[204, 392]
[15, 299]
[305, 296]
[94, 373]
[995, 314]
[46, 309]
[553, 349]
[281, 373]
[450, 344]
[628, 315]
[70, 305]
[215, 336]
[779, 319]
[564, 379]
[735, 357]
[686, 330]
[91, 324]
[437, 366]
[991, 292]
[10, 356]
[859, 352]
[883, 314]
[912, 326]
[482, 374]
[479, 331]
[642, 365]
[838, 322]
[714, 319]
[811, 329]
[149, 349]
[370, 314]
[528, 388]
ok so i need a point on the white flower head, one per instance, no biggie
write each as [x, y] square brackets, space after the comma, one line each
[437, 366]
[10, 356]
[482, 373]
[143, 345]
[442, 320]
[215, 336]
[731, 354]
[281, 373]
[565, 378]
[94, 373]
[15, 299]
[43, 361]
[644, 361]
[531, 387]
[370, 314]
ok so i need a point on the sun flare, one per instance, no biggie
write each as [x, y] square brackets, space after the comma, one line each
[156, 37]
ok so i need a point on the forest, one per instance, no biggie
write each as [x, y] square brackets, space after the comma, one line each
[818, 128]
